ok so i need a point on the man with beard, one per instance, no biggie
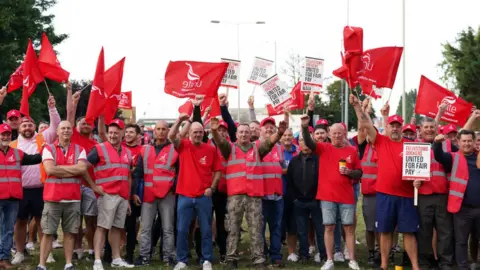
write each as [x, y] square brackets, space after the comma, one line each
[394, 199]
[31, 142]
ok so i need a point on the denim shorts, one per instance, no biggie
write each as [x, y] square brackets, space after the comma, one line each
[330, 210]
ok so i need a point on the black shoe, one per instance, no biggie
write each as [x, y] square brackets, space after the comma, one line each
[223, 259]
[371, 258]
[142, 261]
[39, 268]
[129, 259]
[75, 256]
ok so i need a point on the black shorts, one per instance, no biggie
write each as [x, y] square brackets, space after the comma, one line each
[32, 204]
[289, 217]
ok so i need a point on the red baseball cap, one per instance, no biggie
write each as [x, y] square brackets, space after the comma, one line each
[117, 122]
[310, 129]
[222, 123]
[322, 122]
[409, 127]
[14, 113]
[237, 123]
[27, 119]
[267, 120]
[5, 128]
[395, 119]
[449, 128]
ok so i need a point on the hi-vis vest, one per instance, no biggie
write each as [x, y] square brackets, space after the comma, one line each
[58, 189]
[222, 184]
[369, 168]
[272, 171]
[40, 141]
[158, 171]
[438, 183]
[458, 182]
[243, 172]
[113, 170]
[447, 146]
[11, 174]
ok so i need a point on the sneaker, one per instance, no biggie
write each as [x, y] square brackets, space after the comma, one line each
[78, 253]
[311, 250]
[338, 257]
[30, 246]
[292, 258]
[121, 263]
[56, 245]
[180, 265]
[18, 258]
[207, 265]
[38, 268]
[371, 258]
[142, 261]
[71, 267]
[328, 265]
[357, 242]
[353, 265]
[98, 266]
[317, 258]
[50, 258]
[345, 253]
[223, 259]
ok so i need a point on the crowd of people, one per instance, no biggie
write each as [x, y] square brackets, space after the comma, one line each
[195, 180]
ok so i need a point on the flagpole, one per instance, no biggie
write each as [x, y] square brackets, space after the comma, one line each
[403, 66]
[346, 84]
[238, 57]
[48, 90]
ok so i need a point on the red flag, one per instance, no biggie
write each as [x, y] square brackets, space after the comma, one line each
[31, 77]
[16, 79]
[188, 78]
[49, 64]
[352, 40]
[431, 95]
[298, 99]
[186, 108]
[349, 68]
[113, 87]
[125, 100]
[98, 97]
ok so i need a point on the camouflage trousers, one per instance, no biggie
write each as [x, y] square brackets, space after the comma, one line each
[252, 206]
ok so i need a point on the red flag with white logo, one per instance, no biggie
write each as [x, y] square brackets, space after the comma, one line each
[431, 95]
[98, 97]
[125, 100]
[297, 101]
[16, 79]
[31, 77]
[49, 64]
[113, 87]
[189, 78]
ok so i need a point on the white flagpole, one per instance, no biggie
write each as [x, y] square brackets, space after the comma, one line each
[404, 114]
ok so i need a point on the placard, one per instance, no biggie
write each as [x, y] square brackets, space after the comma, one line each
[313, 72]
[276, 91]
[261, 70]
[416, 161]
[307, 88]
[230, 79]
[125, 100]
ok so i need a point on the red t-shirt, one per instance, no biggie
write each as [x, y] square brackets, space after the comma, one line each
[85, 142]
[135, 150]
[333, 186]
[389, 166]
[197, 164]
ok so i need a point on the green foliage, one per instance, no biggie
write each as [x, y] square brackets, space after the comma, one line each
[19, 21]
[411, 100]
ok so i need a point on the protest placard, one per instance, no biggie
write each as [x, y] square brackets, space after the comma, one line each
[307, 88]
[125, 100]
[416, 161]
[231, 77]
[261, 70]
[313, 72]
[276, 91]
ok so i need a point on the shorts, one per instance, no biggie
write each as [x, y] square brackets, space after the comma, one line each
[369, 209]
[330, 210]
[395, 211]
[69, 212]
[289, 217]
[32, 204]
[112, 211]
[89, 202]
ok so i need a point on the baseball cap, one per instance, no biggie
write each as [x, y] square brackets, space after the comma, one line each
[310, 129]
[409, 127]
[27, 119]
[13, 113]
[5, 128]
[237, 123]
[117, 122]
[322, 122]
[449, 128]
[395, 118]
[222, 123]
[267, 120]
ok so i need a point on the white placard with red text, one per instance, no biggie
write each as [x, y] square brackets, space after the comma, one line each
[276, 91]
[261, 70]
[230, 79]
[313, 72]
[416, 161]
[307, 88]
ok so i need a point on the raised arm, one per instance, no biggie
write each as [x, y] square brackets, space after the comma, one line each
[222, 143]
[102, 130]
[362, 133]
[363, 119]
[311, 108]
[267, 145]
[172, 134]
[471, 120]
[440, 156]
[441, 110]
[50, 134]
[251, 108]
[232, 128]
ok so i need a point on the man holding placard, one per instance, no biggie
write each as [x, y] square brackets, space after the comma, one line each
[394, 202]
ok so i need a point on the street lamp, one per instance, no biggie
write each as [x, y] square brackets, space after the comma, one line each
[238, 48]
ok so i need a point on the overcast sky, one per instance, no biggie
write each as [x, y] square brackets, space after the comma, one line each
[151, 32]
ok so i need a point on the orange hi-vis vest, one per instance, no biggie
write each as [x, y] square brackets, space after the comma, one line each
[244, 173]
[40, 141]
[113, 170]
[222, 184]
[11, 174]
[272, 171]
[458, 182]
[438, 183]
[158, 171]
[369, 168]
[57, 189]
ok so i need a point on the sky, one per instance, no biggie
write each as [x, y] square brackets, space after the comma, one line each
[150, 33]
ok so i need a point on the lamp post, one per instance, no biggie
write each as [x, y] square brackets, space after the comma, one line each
[238, 49]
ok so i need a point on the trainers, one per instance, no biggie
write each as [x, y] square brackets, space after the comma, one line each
[18, 258]
[338, 257]
[30, 246]
[311, 250]
[98, 266]
[292, 258]
[327, 265]
[357, 242]
[50, 258]
[142, 261]
[317, 258]
[121, 263]
[180, 265]
[371, 258]
[71, 267]
[346, 254]
[353, 265]
[207, 265]
[56, 245]
[223, 259]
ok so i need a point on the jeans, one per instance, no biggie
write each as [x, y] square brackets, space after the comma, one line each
[8, 215]
[186, 207]
[272, 215]
[303, 209]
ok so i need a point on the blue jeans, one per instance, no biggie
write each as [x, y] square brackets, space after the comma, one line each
[186, 207]
[8, 215]
[272, 215]
[303, 209]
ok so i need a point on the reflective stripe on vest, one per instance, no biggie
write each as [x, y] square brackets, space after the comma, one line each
[146, 170]
[437, 173]
[454, 178]
[235, 161]
[108, 164]
[111, 179]
[369, 163]
[9, 179]
[446, 146]
[166, 167]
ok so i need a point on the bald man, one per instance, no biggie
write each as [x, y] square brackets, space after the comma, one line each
[157, 167]
[198, 177]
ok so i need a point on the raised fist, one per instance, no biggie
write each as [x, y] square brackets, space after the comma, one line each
[305, 120]
[214, 123]
[282, 126]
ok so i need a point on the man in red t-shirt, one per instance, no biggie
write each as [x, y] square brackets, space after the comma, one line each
[198, 177]
[339, 166]
[394, 202]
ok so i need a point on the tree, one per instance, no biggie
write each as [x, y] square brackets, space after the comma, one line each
[411, 100]
[461, 65]
[293, 68]
[19, 21]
